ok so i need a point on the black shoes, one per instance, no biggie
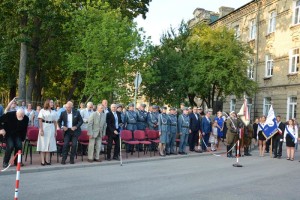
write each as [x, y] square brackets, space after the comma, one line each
[63, 162]
[116, 158]
[5, 165]
[72, 161]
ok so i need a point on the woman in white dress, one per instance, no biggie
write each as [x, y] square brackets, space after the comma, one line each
[47, 133]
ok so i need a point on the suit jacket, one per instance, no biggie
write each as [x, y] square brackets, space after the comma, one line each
[76, 121]
[194, 122]
[206, 125]
[111, 123]
[282, 128]
[97, 124]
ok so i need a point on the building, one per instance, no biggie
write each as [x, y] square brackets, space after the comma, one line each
[272, 29]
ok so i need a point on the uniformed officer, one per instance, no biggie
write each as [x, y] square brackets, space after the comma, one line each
[247, 137]
[153, 118]
[232, 134]
[142, 116]
[183, 130]
[173, 131]
[164, 130]
[130, 121]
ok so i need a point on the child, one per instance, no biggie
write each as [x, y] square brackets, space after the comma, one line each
[213, 138]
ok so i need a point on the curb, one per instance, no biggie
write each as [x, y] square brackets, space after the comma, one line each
[106, 163]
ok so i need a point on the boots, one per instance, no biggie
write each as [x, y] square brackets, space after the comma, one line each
[229, 154]
[246, 149]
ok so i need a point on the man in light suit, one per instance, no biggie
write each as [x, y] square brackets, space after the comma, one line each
[113, 120]
[96, 130]
[206, 129]
[85, 114]
[72, 121]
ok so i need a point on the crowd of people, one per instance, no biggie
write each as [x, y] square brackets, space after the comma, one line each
[199, 130]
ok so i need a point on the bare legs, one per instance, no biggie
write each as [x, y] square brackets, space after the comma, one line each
[262, 147]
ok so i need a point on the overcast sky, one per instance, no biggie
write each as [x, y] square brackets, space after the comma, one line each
[163, 13]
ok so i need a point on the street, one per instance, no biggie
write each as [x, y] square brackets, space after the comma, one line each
[198, 177]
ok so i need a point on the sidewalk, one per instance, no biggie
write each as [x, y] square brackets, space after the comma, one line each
[36, 166]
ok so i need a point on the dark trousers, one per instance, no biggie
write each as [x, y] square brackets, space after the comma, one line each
[116, 139]
[193, 140]
[205, 138]
[69, 136]
[12, 143]
[268, 143]
[277, 145]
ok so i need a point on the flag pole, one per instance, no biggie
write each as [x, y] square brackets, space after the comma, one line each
[271, 147]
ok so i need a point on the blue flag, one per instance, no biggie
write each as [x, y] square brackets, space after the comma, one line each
[270, 127]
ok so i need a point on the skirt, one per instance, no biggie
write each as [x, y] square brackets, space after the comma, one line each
[163, 138]
[261, 136]
[290, 141]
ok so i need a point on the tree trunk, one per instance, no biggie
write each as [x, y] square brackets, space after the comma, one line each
[74, 82]
[192, 99]
[12, 92]
[23, 62]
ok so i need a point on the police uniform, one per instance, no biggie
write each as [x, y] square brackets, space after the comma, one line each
[153, 119]
[164, 127]
[172, 135]
[130, 123]
[183, 129]
[142, 116]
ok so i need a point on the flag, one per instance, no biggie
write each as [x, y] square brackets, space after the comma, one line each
[270, 127]
[244, 113]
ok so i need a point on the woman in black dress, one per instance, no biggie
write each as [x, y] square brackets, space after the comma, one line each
[291, 137]
[261, 137]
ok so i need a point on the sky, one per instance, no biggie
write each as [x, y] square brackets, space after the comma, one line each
[165, 13]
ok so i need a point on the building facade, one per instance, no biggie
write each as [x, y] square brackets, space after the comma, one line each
[272, 29]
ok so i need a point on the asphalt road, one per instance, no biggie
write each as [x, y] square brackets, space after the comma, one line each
[203, 177]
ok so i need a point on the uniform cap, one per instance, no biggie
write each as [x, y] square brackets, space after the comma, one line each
[155, 107]
[119, 106]
[143, 105]
[164, 108]
[131, 105]
[185, 108]
[172, 108]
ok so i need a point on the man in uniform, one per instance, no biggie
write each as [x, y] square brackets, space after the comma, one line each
[164, 130]
[183, 130]
[153, 118]
[173, 131]
[130, 121]
[142, 116]
[232, 134]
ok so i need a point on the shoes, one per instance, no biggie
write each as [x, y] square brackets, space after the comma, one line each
[292, 159]
[108, 159]
[5, 165]
[97, 160]
[116, 158]
[90, 161]
[192, 149]
[43, 164]
[72, 162]
[47, 163]
[288, 158]
[63, 162]
[168, 154]
[274, 156]
[184, 153]
[278, 157]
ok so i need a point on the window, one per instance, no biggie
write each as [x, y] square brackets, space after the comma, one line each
[294, 61]
[232, 104]
[292, 108]
[250, 69]
[252, 34]
[272, 22]
[267, 105]
[269, 66]
[249, 104]
[237, 33]
[296, 17]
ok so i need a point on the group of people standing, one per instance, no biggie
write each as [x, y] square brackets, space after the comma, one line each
[192, 126]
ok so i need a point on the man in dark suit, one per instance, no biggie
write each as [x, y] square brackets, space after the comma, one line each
[71, 120]
[13, 125]
[113, 120]
[194, 128]
[278, 138]
[206, 129]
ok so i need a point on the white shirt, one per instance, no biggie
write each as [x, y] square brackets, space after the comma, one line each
[70, 120]
[116, 120]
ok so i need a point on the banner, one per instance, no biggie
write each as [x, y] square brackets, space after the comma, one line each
[244, 113]
[270, 127]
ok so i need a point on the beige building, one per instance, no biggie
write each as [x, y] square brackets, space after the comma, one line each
[272, 29]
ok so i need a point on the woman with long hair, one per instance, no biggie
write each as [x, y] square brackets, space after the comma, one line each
[291, 137]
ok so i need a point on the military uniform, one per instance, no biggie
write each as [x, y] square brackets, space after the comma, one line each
[183, 129]
[153, 120]
[172, 135]
[164, 127]
[232, 134]
[131, 120]
[142, 117]
[247, 137]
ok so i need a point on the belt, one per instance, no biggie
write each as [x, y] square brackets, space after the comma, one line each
[85, 122]
[173, 125]
[48, 122]
[131, 123]
[185, 127]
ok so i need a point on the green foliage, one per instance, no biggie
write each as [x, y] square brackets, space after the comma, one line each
[203, 62]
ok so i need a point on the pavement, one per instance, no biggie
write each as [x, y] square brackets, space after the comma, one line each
[196, 176]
